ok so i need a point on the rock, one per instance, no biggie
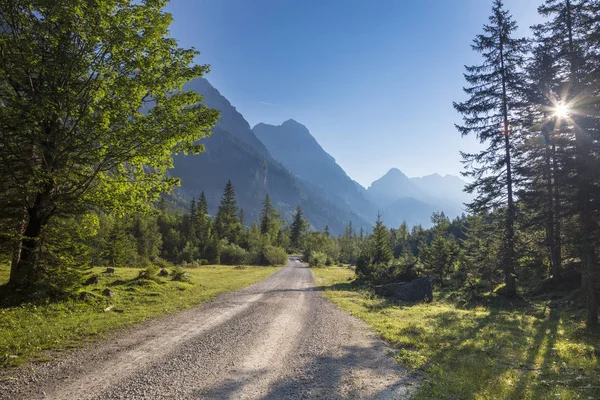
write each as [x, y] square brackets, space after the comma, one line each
[109, 271]
[107, 309]
[163, 272]
[92, 280]
[108, 293]
[84, 296]
[420, 289]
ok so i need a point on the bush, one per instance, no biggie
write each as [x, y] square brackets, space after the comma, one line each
[232, 254]
[317, 259]
[180, 275]
[275, 256]
[149, 272]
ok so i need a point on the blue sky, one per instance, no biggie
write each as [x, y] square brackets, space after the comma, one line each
[373, 81]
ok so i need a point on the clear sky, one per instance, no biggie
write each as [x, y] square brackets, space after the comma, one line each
[373, 81]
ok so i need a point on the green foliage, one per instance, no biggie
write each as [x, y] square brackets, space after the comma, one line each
[317, 259]
[298, 228]
[77, 137]
[232, 254]
[227, 224]
[440, 256]
[275, 256]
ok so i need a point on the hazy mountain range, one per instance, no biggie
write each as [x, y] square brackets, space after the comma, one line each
[288, 163]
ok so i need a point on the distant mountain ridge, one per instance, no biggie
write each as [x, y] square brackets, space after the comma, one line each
[287, 162]
[234, 152]
[295, 148]
[396, 196]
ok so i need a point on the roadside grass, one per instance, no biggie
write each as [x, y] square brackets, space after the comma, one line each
[28, 331]
[527, 352]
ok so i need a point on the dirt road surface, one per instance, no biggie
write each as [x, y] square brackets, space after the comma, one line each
[277, 339]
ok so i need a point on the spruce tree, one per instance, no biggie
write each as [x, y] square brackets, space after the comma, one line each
[227, 223]
[571, 29]
[491, 114]
[380, 247]
[326, 231]
[202, 226]
[298, 227]
[270, 220]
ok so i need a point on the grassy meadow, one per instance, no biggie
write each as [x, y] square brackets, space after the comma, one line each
[483, 352]
[28, 331]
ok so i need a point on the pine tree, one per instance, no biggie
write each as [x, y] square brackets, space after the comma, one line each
[439, 256]
[380, 246]
[571, 29]
[326, 231]
[203, 221]
[270, 220]
[227, 223]
[298, 228]
[491, 115]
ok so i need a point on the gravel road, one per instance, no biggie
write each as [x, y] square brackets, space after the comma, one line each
[277, 339]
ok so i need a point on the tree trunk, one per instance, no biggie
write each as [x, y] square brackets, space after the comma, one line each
[23, 272]
[509, 265]
[556, 251]
[550, 225]
[584, 179]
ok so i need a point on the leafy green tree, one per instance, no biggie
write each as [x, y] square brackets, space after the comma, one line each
[73, 81]
[227, 223]
[491, 114]
[298, 228]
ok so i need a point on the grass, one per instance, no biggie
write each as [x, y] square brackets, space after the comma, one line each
[29, 331]
[525, 352]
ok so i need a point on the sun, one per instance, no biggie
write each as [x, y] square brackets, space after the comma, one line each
[561, 110]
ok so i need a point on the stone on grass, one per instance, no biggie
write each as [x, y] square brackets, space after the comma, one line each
[108, 293]
[84, 296]
[92, 280]
[163, 272]
[109, 270]
[420, 289]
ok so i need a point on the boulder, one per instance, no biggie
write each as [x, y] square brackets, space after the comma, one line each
[109, 270]
[84, 296]
[92, 280]
[108, 293]
[163, 272]
[420, 289]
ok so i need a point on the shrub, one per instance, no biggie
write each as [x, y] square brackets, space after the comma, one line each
[232, 254]
[149, 272]
[317, 259]
[275, 256]
[180, 275]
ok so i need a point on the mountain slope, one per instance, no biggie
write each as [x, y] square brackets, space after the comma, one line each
[293, 146]
[233, 152]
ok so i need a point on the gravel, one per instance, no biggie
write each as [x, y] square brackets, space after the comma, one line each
[277, 339]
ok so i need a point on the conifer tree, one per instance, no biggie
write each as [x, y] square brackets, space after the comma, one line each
[270, 220]
[491, 114]
[571, 29]
[326, 231]
[202, 227]
[440, 256]
[298, 228]
[227, 223]
[380, 247]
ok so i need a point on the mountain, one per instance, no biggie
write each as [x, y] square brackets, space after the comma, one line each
[415, 199]
[392, 186]
[295, 148]
[234, 152]
[449, 187]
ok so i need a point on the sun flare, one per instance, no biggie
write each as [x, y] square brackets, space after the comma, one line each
[561, 110]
